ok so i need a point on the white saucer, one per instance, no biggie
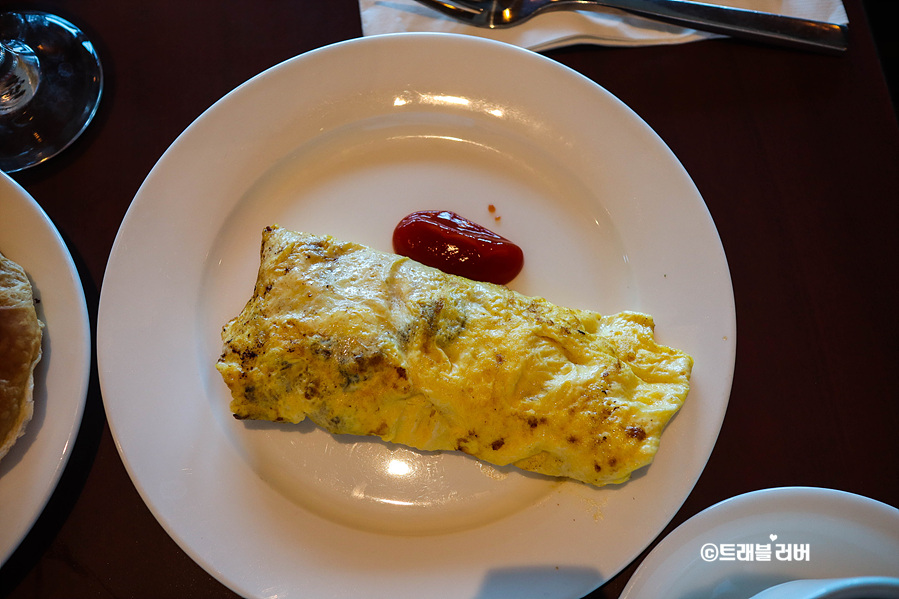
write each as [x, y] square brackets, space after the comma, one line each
[825, 533]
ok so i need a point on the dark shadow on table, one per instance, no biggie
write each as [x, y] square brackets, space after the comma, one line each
[538, 581]
[882, 18]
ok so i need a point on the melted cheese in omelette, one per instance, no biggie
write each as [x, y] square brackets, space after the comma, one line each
[370, 343]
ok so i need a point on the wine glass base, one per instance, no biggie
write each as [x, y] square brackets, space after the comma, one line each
[66, 98]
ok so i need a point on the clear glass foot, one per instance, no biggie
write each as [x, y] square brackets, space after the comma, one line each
[50, 86]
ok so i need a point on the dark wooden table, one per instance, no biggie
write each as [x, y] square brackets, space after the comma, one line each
[796, 155]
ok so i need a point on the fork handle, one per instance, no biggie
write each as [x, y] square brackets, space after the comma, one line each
[746, 24]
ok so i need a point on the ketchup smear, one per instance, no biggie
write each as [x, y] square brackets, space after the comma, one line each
[456, 245]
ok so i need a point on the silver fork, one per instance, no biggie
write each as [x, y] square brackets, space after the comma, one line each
[745, 24]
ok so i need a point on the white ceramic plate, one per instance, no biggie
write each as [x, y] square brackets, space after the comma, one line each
[825, 533]
[346, 140]
[30, 471]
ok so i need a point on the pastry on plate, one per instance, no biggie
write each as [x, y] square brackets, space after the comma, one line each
[20, 351]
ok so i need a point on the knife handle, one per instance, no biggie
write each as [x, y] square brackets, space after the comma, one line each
[752, 25]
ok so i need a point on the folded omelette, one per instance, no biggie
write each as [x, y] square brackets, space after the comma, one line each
[364, 342]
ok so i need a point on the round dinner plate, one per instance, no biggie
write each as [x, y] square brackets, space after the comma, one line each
[345, 141]
[749, 543]
[31, 469]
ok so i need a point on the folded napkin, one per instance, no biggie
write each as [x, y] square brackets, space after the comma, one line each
[606, 27]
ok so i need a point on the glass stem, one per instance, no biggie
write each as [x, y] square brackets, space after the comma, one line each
[19, 76]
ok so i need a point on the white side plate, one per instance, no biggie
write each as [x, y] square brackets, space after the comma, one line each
[30, 471]
[809, 533]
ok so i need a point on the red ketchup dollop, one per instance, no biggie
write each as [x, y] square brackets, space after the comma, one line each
[458, 246]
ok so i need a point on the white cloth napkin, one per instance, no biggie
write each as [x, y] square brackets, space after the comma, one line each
[564, 28]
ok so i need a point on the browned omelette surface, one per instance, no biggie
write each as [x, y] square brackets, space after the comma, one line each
[20, 351]
[370, 343]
